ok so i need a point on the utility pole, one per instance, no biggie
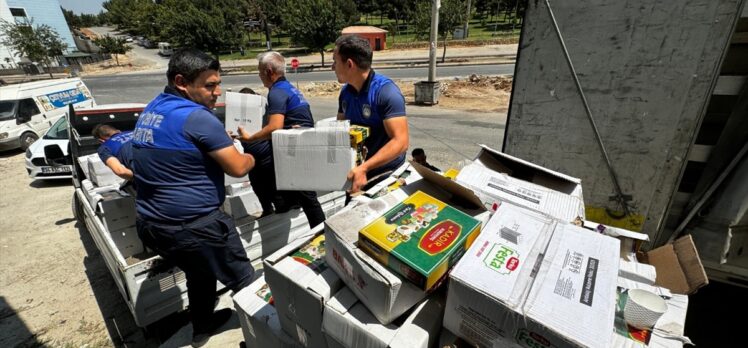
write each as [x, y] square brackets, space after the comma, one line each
[427, 92]
[435, 4]
[467, 21]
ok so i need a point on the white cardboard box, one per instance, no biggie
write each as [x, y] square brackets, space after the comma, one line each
[258, 318]
[313, 159]
[100, 174]
[347, 323]
[571, 300]
[244, 110]
[242, 205]
[496, 177]
[385, 293]
[228, 179]
[262, 237]
[300, 292]
[116, 210]
[238, 188]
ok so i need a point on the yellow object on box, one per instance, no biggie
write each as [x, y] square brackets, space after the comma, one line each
[421, 238]
[451, 173]
[358, 135]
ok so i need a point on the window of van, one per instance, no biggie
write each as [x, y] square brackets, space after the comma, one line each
[27, 107]
[7, 109]
[59, 130]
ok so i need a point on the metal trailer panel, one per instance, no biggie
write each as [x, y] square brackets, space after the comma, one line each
[153, 289]
[647, 69]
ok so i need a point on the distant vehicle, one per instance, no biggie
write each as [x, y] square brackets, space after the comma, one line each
[28, 110]
[164, 49]
[128, 38]
[36, 164]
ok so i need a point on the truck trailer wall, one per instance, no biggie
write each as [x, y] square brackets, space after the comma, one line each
[647, 69]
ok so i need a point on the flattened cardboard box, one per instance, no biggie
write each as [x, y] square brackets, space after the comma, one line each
[496, 177]
[301, 284]
[386, 294]
[570, 303]
[421, 238]
[347, 323]
[258, 318]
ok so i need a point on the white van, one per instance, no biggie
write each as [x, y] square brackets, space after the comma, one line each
[28, 110]
[164, 49]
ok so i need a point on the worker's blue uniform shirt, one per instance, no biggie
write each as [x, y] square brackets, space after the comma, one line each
[378, 100]
[284, 99]
[118, 146]
[176, 178]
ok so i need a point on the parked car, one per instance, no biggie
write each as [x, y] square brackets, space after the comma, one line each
[36, 164]
[164, 49]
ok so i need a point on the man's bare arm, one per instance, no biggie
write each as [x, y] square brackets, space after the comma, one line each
[397, 129]
[118, 168]
[233, 163]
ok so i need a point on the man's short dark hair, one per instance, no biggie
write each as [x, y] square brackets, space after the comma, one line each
[418, 152]
[190, 63]
[247, 90]
[355, 48]
[103, 130]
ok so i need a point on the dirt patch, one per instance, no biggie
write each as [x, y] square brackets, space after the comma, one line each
[476, 93]
[127, 63]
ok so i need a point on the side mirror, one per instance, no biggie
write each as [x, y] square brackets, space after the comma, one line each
[54, 155]
[21, 119]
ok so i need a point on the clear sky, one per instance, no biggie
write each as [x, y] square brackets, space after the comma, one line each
[82, 6]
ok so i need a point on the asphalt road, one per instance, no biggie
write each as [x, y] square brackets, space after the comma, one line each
[143, 87]
[448, 136]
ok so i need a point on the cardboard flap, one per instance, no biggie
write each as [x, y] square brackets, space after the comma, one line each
[532, 165]
[690, 262]
[447, 185]
[678, 266]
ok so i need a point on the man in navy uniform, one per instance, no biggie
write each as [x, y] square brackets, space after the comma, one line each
[371, 100]
[286, 109]
[181, 152]
[115, 150]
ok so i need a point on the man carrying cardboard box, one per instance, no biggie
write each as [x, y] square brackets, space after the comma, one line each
[374, 101]
[286, 109]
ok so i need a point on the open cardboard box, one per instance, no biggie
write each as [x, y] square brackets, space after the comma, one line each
[496, 177]
[385, 293]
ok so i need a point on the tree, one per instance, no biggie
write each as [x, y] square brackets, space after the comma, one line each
[208, 25]
[113, 45]
[38, 43]
[451, 15]
[315, 23]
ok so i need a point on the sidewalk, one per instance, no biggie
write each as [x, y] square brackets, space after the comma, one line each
[401, 58]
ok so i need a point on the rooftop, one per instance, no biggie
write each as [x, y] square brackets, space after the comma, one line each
[362, 29]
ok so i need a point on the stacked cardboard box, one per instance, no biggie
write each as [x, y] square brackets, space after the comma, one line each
[100, 174]
[259, 319]
[302, 283]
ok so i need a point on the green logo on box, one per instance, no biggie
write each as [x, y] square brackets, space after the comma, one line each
[502, 259]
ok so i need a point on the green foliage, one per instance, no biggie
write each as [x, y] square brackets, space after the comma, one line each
[317, 23]
[209, 25]
[38, 43]
[83, 20]
[113, 45]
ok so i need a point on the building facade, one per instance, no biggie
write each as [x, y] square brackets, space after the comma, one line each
[39, 12]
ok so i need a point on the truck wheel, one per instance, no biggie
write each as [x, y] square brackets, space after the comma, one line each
[27, 139]
[77, 209]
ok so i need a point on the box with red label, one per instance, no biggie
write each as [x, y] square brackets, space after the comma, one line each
[421, 238]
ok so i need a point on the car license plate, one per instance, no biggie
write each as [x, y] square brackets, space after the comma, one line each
[57, 170]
